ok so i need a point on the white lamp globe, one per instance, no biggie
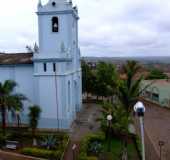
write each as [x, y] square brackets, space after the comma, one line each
[109, 117]
[139, 105]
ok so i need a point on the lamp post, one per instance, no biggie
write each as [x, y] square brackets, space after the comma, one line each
[139, 108]
[161, 144]
[74, 151]
[109, 119]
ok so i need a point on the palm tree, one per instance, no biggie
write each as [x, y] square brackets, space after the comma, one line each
[120, 120]
[129, 92]
[34, 116]
[8, 100]
[129, 88]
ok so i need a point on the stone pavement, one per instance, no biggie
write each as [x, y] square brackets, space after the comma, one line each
[157, 128]
[83, 125]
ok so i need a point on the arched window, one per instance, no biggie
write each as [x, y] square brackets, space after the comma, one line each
[55, 25]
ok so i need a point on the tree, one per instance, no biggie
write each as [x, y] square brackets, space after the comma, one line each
[106, 80]
[34, 116]
[101, 81]
[129, 88]
[120, 119]
[88, 78]
[8, 100]
[156, 74]
[119, 123]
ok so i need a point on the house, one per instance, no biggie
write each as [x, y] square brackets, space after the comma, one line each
[51, 76]
[157, 91]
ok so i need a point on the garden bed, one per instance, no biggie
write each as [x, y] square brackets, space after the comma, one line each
[95, 146]
[48, 144]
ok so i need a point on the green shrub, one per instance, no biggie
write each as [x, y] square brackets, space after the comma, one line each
[85, 143]
[92, 158]
[85, 157]
[42, 153]
[55, 141]
[95, 147]
[3, 139]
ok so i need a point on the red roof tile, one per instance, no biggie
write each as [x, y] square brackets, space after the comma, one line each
[16, 58]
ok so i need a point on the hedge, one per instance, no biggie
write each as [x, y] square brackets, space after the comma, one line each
[42, 153]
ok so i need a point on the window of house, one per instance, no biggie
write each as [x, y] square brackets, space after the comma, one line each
[54, 67]
[148, 94]
[55, 26]
[45, 67]
[155, 97]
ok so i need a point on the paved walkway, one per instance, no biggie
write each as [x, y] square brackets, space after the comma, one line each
[157, 126]
[83, 125]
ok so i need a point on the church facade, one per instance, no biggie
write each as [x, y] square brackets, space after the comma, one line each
[51, 76]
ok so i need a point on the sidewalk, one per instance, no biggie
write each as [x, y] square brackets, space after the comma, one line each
[83, 125]
[157, 127]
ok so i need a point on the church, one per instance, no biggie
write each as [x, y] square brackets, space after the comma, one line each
[51, 76]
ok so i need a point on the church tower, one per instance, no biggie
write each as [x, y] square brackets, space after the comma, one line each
[57, 67]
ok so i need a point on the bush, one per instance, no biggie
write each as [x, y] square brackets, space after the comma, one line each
[85, 146]
[2, 140]
[95, 147]
[85, 157]
[42, 153]
[53, 141]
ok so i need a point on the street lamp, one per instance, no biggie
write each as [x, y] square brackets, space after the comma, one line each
[109, 119]
[74, 151]
[161, 144]
[139, 108]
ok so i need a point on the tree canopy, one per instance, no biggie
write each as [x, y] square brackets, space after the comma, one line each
[129, 88]
[100, 81]
[156, 74]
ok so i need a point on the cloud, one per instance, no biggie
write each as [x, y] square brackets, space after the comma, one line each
[106, 28]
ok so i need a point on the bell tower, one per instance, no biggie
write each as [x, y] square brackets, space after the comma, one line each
[57, 68]
[57, 22]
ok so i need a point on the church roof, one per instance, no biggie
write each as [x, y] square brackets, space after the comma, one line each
[16, 58]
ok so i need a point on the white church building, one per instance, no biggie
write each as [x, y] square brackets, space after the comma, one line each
[50, 77]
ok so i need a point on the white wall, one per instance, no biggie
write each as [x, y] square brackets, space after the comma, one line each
[23, 76]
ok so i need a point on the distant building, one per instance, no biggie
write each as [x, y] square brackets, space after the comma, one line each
[50, 78]
[157, 91]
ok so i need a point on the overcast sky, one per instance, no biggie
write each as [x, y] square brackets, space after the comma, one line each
[106, 27]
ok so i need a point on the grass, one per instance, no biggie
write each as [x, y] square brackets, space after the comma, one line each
[96, 145]
[116, 150]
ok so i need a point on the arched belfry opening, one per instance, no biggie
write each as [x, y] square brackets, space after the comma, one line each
[55, 24]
